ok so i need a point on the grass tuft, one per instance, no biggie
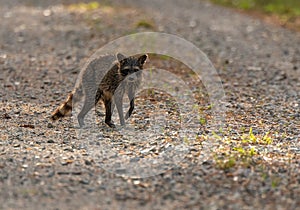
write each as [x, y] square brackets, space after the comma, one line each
[145, 24]
[83, 7]
[241, 150]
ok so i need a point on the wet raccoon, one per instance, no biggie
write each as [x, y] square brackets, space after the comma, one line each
[124, 75]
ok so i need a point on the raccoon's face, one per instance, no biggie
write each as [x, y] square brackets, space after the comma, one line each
[131, 67]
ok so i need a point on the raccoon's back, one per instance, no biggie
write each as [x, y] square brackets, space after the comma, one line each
[95, 69]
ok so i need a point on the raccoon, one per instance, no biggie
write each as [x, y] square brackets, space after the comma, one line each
[124, 76]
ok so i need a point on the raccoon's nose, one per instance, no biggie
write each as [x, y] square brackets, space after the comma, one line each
[131, 79]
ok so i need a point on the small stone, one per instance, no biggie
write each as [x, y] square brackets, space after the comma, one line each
[16, 145]
[65, 141]
[27, 126]
[88, 162]
[50, 125]
[47, 12]
[6, 116]
[24, 166]
[136, 159]
[136, 182]
[121, 171]
[50, 141]
[254, 68]
[281, 76]
[68, 57]
[69, 149]
[84, 181]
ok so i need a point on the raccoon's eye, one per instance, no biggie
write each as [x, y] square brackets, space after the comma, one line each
[124, 71]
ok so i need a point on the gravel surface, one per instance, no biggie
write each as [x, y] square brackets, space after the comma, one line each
[255, 160]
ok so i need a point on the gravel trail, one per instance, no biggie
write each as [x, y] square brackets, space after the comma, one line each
[43, 44]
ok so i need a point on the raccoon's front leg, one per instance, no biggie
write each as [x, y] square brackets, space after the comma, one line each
[131, 108]
[119, 104]
[113, 105]
[108, 113]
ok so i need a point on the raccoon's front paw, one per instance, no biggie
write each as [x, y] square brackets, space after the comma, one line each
[127, 116]
[122, 123]
[80, 122]
[110, 124]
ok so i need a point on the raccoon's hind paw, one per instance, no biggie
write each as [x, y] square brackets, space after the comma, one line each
[56, 116]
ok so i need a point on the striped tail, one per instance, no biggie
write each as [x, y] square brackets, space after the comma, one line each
[64, 109]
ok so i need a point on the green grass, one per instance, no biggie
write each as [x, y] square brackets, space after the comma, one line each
[85, 6]
[240, 150]
[148, 24]
[287, 8]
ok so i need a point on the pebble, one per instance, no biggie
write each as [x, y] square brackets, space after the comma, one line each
[88, 162]
[16, 145]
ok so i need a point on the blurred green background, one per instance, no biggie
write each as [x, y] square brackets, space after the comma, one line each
[284, 12]
[281, 7]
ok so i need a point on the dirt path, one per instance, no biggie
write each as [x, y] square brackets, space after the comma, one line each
[43, 165]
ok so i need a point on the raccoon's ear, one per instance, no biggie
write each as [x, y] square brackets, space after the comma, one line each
[120, 56]
[116, 63]
[142, 59]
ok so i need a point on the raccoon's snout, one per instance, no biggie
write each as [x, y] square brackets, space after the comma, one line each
[131, 78]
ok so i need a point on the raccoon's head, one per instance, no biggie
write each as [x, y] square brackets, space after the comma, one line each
[130, 67]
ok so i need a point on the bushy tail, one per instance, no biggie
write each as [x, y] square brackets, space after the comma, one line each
[64, 109]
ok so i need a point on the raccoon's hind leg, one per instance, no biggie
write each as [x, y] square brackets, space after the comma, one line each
[90, 101]
[88, 105]
[108, 112]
